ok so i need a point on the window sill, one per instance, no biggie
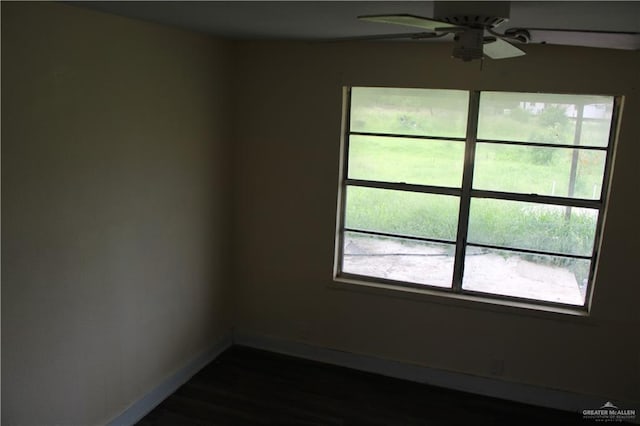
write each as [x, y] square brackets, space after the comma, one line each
[464, 301]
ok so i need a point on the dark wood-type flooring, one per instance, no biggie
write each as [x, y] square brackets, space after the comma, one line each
[245, 386]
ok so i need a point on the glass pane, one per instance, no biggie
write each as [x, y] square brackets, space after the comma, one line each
[404, 213]
[542, 227]
[409, 111]
[398, 259]
[535, 117]
[537, 170]
[548, 278]
[418, 161]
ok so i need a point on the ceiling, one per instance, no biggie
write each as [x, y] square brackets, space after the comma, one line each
[313, 20]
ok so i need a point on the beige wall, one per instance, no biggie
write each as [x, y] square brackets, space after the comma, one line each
[114, 196]
[286, 170]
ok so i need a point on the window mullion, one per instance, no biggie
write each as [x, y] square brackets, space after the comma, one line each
[467, 182]
[401, 186]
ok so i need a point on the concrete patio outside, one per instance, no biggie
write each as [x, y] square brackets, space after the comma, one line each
[432, 264]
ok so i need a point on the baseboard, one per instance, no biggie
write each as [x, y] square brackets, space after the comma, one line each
[136, 411]
[518, 392]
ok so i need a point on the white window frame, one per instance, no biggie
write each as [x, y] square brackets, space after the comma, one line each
[466, 193]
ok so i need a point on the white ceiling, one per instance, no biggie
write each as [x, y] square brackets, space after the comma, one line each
[308, 20]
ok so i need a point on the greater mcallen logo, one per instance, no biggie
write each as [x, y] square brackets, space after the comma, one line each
[609, 413]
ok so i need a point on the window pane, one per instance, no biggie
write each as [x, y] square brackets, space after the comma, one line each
[409, 111]
[398, 259]
[404, 213]
[542, 227]
[537, 170]
[548, 278]
[534, 117]
[417, 161]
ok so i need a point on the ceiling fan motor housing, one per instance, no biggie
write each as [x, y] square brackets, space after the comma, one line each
[474, 14]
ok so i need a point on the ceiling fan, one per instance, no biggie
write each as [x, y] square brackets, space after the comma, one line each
[473, 25]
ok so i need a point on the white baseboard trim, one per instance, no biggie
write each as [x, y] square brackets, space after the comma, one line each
[518, 392]
[140, 408]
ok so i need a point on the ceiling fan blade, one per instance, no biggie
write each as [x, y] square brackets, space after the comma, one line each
[408, 20]
[500, 49]
[611, 40]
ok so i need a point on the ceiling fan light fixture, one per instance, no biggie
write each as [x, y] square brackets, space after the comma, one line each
[469, 44]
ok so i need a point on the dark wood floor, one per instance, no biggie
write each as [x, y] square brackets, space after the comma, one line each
[245, 386]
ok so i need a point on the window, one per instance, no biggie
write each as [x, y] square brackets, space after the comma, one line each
[491, 194]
